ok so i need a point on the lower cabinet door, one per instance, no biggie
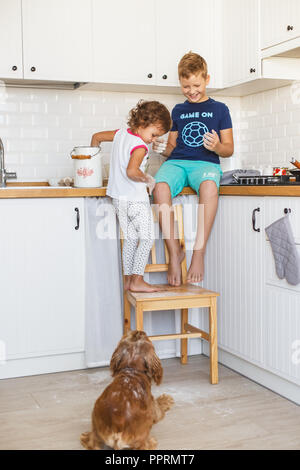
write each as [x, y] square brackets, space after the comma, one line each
[41, 276]
[234, 267]
[281, 319]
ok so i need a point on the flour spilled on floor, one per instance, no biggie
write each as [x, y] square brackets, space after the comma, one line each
[189, 396]
[182, 395]
[99, 376]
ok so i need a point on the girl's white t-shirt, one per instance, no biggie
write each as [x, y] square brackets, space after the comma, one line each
[119, 185]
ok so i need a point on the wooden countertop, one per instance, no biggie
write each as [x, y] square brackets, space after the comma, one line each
[42, 189]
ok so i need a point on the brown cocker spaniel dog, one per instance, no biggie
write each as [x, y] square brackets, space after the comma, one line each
[123, 415]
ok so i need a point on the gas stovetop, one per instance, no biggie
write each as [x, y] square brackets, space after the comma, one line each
[263, 180]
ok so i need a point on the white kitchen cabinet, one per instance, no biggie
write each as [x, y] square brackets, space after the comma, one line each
[240, 43]
[142, 42]
[234, 267]
[11, 63]
[42, 273]
[282, 300]
[280, 21]
[197, 31]
[57, 40]
[124, 41]
[258, 313]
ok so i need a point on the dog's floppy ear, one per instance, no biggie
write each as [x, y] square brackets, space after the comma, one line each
[154, 366]
[118, 357]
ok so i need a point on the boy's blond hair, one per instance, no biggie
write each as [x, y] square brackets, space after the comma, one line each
[192, 64]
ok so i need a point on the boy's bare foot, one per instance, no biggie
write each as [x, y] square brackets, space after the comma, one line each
[174, 270]
[137, 284]
[127, 280]
[196, 269]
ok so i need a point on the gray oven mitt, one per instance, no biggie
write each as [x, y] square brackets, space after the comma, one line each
[287, 259]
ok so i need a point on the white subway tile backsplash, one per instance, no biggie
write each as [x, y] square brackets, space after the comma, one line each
[6, 107]
[264, 133]
[58, 133]
[256, 122]
[39, 128]
[284, 118]
[44, 145]
[278, 106]
[295, 145]
[284, 144]
[278, 132]
[18, 120]
[41, 120]
[256, 147]
[33, 107]
[279, 158]
[295, 117]
[82, 109]
[18, 145]
[34, 159]
[12, 159]
[270, 145]
[279, 128]
[293, 129]
[270, 120]
[34, 133]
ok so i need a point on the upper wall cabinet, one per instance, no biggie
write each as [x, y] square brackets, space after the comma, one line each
[280, 21]
[241, 59]
[142, 42]
[11, 63]
[176, 35]
[57, 39]
[124, 41]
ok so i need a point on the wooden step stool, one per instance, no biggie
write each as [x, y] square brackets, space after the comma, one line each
[184, 297]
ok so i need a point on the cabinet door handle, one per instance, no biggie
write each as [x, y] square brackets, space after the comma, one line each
[254, 219]
[290, 27]
[165, 77]
[149, 75]
[77, 218]
[252, 70]
[33, 69]
[14, 68]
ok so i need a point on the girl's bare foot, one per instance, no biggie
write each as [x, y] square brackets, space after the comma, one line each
[127, 280]
[196, 269]
[137, 284]
[174, 270]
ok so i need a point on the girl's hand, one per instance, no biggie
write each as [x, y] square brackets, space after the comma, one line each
[159, 146]
[150, 183]
[211, 141]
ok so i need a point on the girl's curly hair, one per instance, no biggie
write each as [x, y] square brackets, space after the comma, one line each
[147, 113]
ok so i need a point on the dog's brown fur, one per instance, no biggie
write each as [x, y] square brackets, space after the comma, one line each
[125, 412]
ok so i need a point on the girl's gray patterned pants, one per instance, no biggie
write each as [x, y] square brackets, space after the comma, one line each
[136, 222]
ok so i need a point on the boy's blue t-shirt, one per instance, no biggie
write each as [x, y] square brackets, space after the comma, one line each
[192, 121]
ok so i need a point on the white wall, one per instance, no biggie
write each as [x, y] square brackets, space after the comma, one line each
[39, 128]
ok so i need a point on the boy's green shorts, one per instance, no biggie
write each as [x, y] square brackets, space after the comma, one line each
[180, 173]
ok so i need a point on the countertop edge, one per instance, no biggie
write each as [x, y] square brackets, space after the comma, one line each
[12, 192]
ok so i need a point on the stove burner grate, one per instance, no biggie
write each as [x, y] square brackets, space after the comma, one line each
[263, 180]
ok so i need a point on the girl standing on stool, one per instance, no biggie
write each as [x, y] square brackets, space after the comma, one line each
[127, 186]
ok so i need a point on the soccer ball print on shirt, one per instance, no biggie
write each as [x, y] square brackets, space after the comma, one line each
[193, 132]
